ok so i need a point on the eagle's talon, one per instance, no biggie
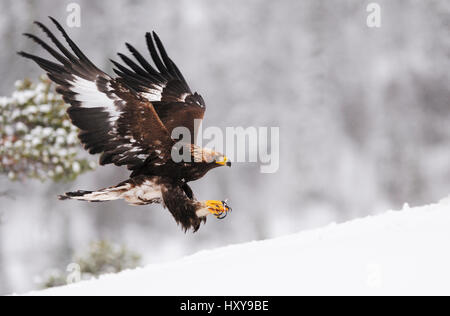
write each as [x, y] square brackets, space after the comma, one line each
[219, 209]
[222, 215]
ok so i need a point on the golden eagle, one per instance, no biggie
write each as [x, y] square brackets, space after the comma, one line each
[129, 119]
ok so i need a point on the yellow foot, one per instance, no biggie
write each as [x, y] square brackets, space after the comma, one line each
[219, 209]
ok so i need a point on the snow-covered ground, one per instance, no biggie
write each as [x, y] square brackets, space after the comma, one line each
[400, 252]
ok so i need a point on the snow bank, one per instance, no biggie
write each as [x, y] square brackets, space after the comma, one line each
[404, 252]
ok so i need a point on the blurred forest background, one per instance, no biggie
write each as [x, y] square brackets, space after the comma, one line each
[363, 114]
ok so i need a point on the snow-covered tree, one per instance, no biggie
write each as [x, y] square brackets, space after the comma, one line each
[102, 257]
[37, 140]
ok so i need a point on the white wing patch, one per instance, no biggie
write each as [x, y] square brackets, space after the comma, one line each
[184, 96]
[90, 97]
[154, 94]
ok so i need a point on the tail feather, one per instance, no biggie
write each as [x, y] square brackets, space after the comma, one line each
[140, 190]
[70, 195]
[109, 194]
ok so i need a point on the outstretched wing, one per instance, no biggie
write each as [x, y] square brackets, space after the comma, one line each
[113, 120]
[164, 86]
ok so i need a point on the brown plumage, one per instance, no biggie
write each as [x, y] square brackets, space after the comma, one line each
[129, 120]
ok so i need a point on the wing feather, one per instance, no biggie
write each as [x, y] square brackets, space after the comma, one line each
[164, 86]
[112, 119]
[151, 71]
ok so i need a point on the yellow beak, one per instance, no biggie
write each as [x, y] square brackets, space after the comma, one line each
[224, 162]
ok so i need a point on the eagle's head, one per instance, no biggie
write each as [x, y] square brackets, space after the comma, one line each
[209, 157]
[196, 161]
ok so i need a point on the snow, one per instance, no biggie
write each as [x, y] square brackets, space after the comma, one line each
[397, 253]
